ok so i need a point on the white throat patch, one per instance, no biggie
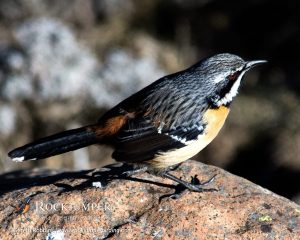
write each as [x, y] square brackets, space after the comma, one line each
[232, 93]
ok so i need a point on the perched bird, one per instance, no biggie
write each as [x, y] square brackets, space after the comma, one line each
[162, 125]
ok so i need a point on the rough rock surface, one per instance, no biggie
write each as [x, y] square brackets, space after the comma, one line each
[66, 206]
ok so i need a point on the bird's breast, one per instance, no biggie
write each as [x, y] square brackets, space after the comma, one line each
[214, 120]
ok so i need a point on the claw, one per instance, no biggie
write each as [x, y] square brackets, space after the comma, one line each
[195, 185]
[209, 180]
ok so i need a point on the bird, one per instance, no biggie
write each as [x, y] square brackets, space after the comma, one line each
[162, 125]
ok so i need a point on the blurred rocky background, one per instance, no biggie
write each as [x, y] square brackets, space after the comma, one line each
[63, 63]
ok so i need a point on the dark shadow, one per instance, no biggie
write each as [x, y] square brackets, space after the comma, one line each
[254, 162]
[285, 182]
[22, 179]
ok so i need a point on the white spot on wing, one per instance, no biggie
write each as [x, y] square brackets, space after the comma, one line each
[160, 127]
[185, 129]
[179, 139]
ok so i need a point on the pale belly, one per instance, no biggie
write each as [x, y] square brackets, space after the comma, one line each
[215, 119]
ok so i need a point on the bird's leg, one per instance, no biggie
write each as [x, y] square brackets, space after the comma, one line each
[135, 171]
[194, 185]
[173, 167]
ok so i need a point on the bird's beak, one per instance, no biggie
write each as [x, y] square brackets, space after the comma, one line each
[251, 64]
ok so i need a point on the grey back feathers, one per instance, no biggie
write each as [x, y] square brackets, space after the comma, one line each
[181, 99]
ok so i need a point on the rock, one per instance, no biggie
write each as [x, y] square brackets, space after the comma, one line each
[7, 120]
[65, 205]
[52, 65]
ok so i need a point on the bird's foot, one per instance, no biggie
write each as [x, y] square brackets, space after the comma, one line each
[195, 185]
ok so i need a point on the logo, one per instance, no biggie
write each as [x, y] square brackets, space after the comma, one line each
[22, 209]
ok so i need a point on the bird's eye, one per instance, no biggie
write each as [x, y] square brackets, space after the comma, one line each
[234, 76]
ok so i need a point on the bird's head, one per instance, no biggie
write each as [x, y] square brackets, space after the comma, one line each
[223, 73]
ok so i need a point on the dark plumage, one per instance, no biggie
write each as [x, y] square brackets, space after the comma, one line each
[177, 114]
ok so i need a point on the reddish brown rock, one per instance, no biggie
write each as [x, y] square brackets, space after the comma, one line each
[66, 206]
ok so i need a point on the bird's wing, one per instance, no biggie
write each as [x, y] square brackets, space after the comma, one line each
[161, 117]
[140, 139]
